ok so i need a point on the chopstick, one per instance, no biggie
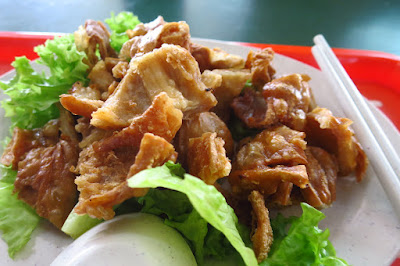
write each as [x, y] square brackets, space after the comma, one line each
[383, 157]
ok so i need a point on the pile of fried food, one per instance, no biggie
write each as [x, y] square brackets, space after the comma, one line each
[163, 97]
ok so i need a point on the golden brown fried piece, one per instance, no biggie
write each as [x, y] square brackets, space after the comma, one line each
[102, 183]
[275, 146]
[260, 65]
[170, 69]
[21, 142]
[24, 140]
[262, 236]
[273, 156]
[294, 98]
[226, 84]
[215, 58]
[267, 180]
[44, 161]
[81, 100]
[143, 28]
[252, 109]
[206, 158]
[334, 135]
[90, 133]
[101, 78]
[285, 100]
[200, 123]
[120, 70]
[45, 180]
[105, 165]
[161, 119]
[282, 196]
[322, 174]
[94, 35]
[145, 39]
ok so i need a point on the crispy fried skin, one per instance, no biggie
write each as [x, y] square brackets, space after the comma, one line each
[45, 180]
[102, 183]
[215, 58]
[282, 196]
[161, 119]
[81, 100]
[285, 100]
[260, 65]
[294, 91]
[170, 69]
[198, 124]
[276, 146]
[147, 37]
[105, 164]
[262, 237]
[334, 135]
[226, 84]
[322, 174]
[273, 156]
[207, 159]
[101, 78]
[19, 145]
[94, 35]
[267, 180]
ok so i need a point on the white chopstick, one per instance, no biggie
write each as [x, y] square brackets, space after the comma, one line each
[383, 158]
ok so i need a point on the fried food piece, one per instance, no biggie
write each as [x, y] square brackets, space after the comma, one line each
[282, 196]
[285, 100]
[200, 123]
[215, 58]
[43, 161]
[45, 180]
[105, 164]
[81, 100]
[101, 78]
[297, 96]
[102, 183]
[226, 84]
[24, 140]
[170, 69]
[252, 109]
[267, 180]
[260, 65]
[273, 156]
[207, 159]
[92, 36]
[262, 236]
[276, 146]
[161, 119]
[143, 28]
[322, 174]
[89, 133]
[334, 135]
[120, 69]
[147, 37]
[21, 142]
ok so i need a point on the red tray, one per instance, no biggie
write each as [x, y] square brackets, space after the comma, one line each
[376, 74]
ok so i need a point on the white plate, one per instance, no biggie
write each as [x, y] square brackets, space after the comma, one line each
[364, 228]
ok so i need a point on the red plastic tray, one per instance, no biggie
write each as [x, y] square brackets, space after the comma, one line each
[376, 74]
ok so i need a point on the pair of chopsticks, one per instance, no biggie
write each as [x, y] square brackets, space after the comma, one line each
[383, 157]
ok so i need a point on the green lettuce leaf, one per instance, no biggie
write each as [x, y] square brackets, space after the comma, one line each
[64, 61]
[206, 200]
[32, 96]
[119, 24]
[304, 243]
[17, 219]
